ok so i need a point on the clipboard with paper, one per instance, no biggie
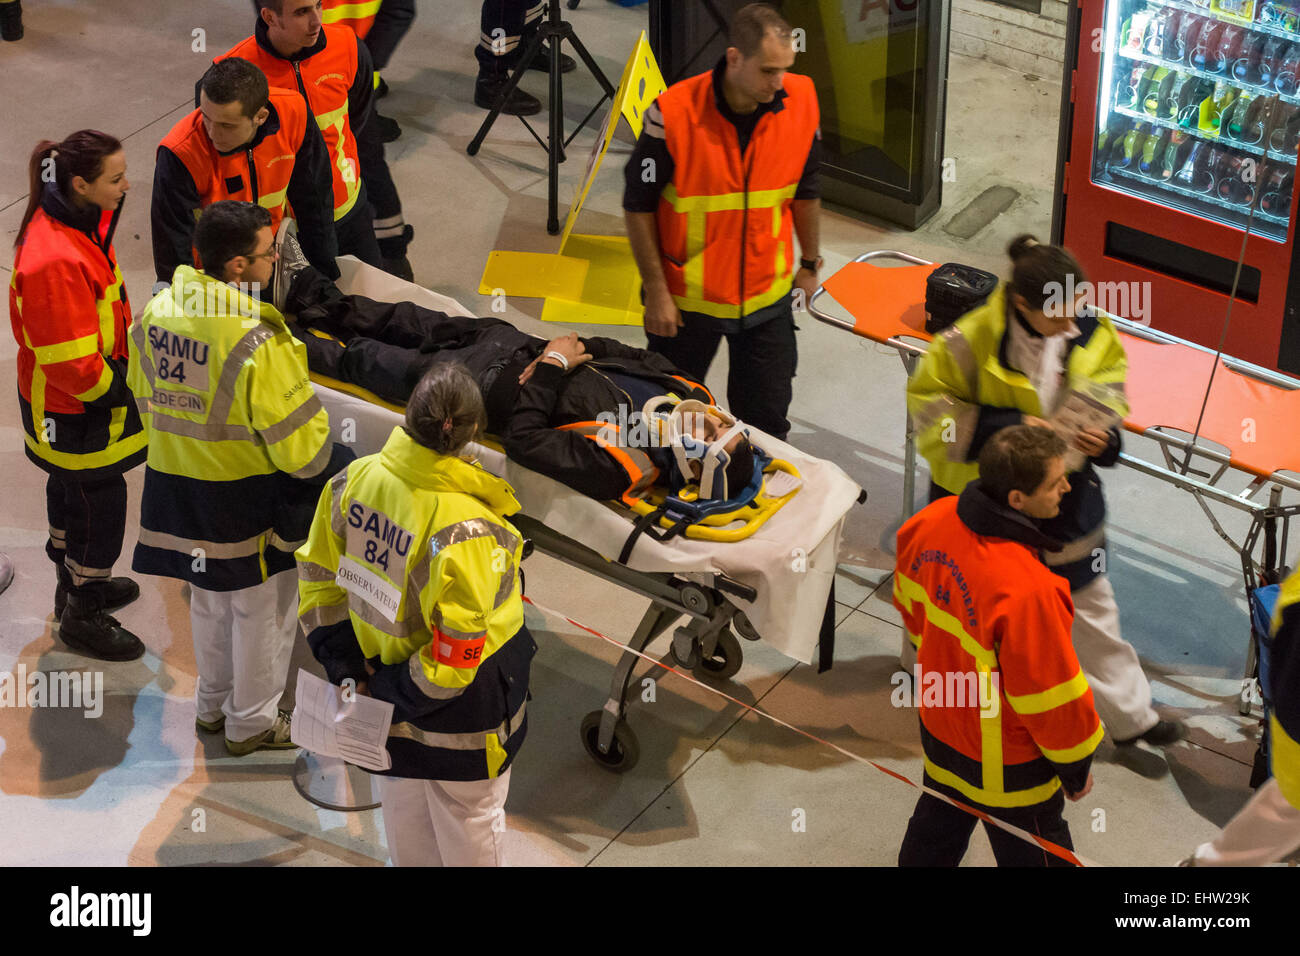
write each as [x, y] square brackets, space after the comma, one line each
[1080, 410]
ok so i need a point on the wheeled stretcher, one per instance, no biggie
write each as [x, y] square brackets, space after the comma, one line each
[775, 584]
[1248, 428]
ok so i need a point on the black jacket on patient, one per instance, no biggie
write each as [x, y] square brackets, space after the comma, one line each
[387, 347]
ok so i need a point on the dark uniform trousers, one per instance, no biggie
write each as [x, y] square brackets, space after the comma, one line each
[763, 360]
[938, 833]
[356, 231]
[87, 521]
[518, 20]
[391, 23]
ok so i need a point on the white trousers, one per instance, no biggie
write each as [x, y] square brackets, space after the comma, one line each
[1264, 831]
[444, 822]
[242, 643]
[1119, 686]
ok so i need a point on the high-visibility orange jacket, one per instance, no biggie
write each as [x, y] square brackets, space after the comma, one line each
[357, 15]
[983, 610]
[70, 316]
[726, 232]
[329, 77]
[284, 168]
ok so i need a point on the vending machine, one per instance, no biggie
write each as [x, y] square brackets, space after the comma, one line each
[1180, 125]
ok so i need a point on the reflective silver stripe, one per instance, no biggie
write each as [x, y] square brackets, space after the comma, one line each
[86, 573]
[473, 741]
[57, 535]
[318, 463]
[399, 629]
[323, 616]
[418, 578]
[275, 541]
[389, 221]
[142, 406]
[451, 632]
[507, 586]
[959, 348]
[338, 521]
[224, 396]
[311, 571]
[472, 528]
[146, 363]
[1078, 549]
[965, 417]
[292, 422]
[217, 550]
[202, 431]
[426, 686]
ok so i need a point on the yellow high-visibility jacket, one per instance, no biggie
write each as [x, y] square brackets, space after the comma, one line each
[963, 391]
[1284, 691]
[239, 444]
[412, 568]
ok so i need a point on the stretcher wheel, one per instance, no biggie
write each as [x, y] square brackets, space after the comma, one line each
[744, 628]
[694, 599]
[624, 751]
[725, 660]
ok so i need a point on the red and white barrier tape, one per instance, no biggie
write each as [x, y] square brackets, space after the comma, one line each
[1050, 847]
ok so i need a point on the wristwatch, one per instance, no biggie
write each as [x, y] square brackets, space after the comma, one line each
[812, 265]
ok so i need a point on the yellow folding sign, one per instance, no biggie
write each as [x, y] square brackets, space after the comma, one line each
[593, 278]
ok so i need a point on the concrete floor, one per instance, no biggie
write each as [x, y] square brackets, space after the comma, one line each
[715, 784]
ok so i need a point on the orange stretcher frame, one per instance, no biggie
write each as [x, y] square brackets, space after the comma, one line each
[1251, 412]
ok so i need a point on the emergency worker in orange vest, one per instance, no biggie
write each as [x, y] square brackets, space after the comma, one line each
[330, 67]
[381, 24]
[245, 142]
[70, 315]
[1008, 725]
[722, 177]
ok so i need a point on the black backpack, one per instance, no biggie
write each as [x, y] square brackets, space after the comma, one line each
[951, 291]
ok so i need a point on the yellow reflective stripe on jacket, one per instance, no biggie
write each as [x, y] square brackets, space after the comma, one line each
[911, 591]
[780, 289]
[697, 210]
[274, 201]
[82, 461]
[724, 202]
[992, 798]
[990, 739]
[101, 386]
[107, 317]
[65, 351]
[351, 11]
[1078, 751]
[350, 175]
[1285, 760]
[1051, 698]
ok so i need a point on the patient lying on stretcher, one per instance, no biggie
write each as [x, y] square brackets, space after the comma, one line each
[604, 418]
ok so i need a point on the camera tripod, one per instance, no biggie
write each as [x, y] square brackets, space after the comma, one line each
[556, 31]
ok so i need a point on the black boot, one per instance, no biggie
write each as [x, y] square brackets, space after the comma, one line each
[381, 90]
[388, 127]
[489, 88]
[115, 593]
[11, 20]
[393, 251]
[543, 61]
[85, 626]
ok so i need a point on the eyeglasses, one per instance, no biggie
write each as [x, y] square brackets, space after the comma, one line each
[270, 255]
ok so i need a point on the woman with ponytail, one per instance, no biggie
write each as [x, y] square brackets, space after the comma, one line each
[410, 588]
[70, 316]
[1015, 360]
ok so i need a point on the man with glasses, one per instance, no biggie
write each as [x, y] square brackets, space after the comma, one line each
[239, 450]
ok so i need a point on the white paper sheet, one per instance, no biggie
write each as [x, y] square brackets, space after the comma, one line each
[326, 724]
[1077, 413]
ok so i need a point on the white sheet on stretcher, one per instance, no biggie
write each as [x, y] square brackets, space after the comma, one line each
[790, 561]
